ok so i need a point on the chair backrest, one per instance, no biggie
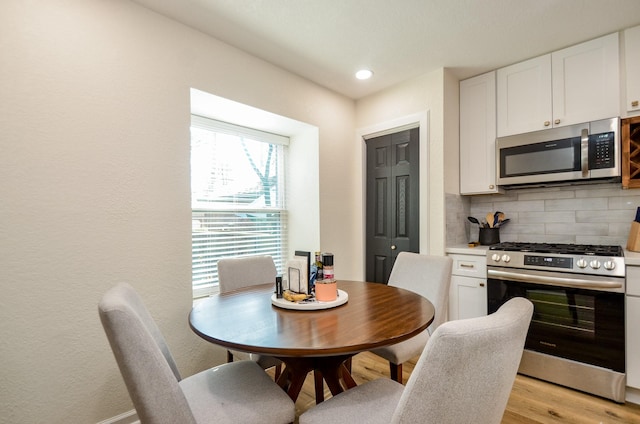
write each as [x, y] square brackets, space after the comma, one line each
[235, 273]
[427, 275]
[467, 370]
[144, 359]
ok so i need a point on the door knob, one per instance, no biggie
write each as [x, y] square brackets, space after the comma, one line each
[393, 247]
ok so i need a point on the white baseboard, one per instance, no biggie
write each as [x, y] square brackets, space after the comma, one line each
[129, 417]
[633, 395]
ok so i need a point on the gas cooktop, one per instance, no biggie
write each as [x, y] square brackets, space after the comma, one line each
[560, 248]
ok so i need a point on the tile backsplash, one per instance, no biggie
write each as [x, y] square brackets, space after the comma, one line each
[584, 214]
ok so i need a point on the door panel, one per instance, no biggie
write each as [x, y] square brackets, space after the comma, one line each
[392, 201]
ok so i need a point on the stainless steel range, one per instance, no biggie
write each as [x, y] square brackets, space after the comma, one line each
[576, 337]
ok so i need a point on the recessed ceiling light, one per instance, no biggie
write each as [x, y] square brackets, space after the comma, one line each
[364, 74]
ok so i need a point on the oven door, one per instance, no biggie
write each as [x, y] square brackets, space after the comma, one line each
[573, 323]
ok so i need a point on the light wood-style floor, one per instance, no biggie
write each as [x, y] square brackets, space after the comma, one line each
[532, 401]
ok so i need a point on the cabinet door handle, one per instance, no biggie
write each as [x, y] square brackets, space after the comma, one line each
[634, 103]
[481, 284]
[467, 266]
[547, 123]
[557, 121]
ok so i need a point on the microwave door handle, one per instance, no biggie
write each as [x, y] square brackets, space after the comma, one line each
[584, 155]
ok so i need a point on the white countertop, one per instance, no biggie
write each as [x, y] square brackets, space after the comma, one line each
[463, 249]
[631, 258]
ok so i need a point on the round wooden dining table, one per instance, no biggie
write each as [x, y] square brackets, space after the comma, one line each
[375, 315]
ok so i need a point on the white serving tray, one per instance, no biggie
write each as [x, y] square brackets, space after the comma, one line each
[310, 304]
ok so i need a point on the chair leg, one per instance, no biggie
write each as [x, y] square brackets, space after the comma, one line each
[229, 356]
[319, 385]
[396, 372]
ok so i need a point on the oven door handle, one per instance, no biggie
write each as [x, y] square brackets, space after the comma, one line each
[601, 283]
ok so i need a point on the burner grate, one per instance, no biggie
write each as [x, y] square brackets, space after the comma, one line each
[560, 248]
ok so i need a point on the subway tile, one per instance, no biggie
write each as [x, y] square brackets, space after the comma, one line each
[547, 217]
[547, 194]
[548, 238]
[619, 229]
[627, 203]
[587, 229]
[524, 205]
[604, 216]
[515, 228]
[482, 199]
[604, 190]
[576, 204]
[616, 241]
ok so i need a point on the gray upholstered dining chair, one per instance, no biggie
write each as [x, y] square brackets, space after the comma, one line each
[464, 376]
[429, 276]
[230, 393]
[238, 272]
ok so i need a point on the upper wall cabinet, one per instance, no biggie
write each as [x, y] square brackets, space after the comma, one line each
[632, 63]
[577, 84]
[478, 134]
[524, 96]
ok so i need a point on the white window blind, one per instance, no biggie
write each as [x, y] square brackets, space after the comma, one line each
[237, 197]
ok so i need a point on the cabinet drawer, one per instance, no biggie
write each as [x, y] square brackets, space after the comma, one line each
[470, 266]
[633, 280]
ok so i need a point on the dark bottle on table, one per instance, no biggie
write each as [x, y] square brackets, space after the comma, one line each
[279, 287]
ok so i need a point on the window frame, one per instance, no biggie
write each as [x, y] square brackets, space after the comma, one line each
[209, 124]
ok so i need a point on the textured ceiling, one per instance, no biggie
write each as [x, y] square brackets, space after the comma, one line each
[326, 41]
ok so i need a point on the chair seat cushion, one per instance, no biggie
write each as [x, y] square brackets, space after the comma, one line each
[264, 361]
[238, 392]
[373, 403]
[400, 353]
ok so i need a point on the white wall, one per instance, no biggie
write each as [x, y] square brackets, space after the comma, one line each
[94, 188]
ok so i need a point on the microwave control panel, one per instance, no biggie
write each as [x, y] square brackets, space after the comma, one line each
[602, 151]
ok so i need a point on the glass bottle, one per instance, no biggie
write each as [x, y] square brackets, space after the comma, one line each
[319, 273]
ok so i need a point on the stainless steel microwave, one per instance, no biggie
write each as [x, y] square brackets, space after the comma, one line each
[580, 152]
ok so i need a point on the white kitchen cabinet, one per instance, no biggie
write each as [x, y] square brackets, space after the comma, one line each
[468, 293]
[478, 135]
[570, 86]
[524, 96]
[632, 67]
[632, 310]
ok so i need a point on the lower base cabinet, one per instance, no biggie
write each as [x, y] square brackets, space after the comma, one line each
[468, 297]
[468, 293]
[632, 312]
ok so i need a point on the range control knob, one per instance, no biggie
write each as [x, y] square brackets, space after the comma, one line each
[609, 265]
[582, 263]
[495, 257]
[506, 258]
[595, 264]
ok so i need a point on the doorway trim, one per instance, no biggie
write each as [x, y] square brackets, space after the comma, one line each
[421, 120]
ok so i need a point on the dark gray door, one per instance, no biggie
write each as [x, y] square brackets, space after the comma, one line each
[392, 206]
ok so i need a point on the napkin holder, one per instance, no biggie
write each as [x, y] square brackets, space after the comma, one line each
[298, 275]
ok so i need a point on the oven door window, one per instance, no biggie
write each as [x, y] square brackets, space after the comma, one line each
[564, 309]
[582, 325]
